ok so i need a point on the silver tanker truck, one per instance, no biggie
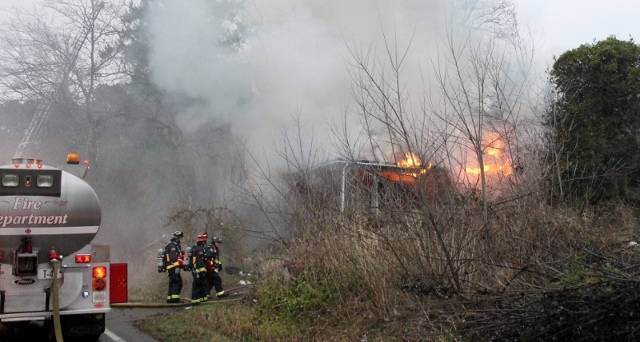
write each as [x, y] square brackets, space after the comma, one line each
[47, 213]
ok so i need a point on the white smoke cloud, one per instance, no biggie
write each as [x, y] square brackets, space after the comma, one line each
[256, 63]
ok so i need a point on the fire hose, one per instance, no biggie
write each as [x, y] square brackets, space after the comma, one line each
[55, 297]
[185, 302]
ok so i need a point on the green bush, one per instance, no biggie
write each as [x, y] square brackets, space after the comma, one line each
[578, 274]
[294, 300]
[593, 122]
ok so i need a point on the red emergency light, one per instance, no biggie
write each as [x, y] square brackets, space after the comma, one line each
[54, 255]
[83, 258]
[99, 275]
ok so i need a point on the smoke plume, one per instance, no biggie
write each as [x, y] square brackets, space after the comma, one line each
[258, 63]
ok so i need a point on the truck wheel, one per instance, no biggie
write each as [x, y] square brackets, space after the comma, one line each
[49, 334]
[83, 327]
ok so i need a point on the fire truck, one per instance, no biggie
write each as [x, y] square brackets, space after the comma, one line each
[48, 214]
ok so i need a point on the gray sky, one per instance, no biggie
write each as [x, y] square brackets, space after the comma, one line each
[556, 25]
[8, 4]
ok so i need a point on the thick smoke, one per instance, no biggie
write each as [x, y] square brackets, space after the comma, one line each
[231, 68]
[258, 63]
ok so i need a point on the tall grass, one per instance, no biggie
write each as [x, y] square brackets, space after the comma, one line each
[400, 263]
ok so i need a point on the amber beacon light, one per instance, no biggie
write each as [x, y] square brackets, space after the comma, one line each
[73, 158]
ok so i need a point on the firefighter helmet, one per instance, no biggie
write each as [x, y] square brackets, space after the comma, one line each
[178, 234]
[201, 237]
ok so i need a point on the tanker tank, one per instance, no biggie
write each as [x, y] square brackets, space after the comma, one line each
[50, 207]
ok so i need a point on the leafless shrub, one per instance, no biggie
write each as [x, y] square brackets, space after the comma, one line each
[432, 230]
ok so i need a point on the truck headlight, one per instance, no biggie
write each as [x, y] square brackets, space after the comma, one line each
[10, 181]
[44, 181]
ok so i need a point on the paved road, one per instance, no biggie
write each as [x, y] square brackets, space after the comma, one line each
[120, 327]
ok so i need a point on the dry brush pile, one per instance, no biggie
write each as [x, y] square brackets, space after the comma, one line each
[466, 244]
[434, 266]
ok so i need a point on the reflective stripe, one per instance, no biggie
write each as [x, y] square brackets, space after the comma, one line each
[175, 264]
[177, 296]
[50, 230]
[201, 269]
[220, 293]
[112, 336]
[198, 300]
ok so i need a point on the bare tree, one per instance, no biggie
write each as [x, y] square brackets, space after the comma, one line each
[62, 54]
[480, 88]
[482, 81]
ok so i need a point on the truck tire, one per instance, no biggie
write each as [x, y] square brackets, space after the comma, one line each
[83, 327]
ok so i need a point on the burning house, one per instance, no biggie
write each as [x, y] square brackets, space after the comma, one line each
[370, 186]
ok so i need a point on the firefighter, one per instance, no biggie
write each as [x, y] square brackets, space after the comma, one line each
[199, 270]
[173, 263]
[212, 258]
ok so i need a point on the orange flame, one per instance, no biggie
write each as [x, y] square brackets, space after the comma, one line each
[505, 170]
[494, 158]
[411, 160]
